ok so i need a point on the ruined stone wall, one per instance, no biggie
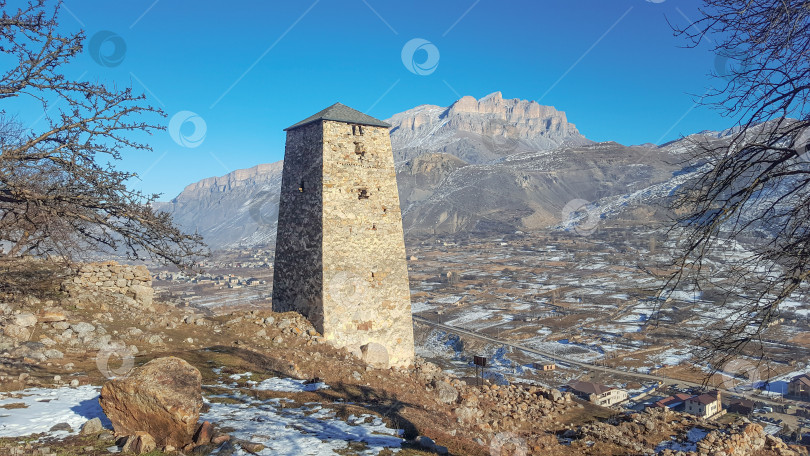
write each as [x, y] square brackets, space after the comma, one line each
[366, 295]
[113, 278]
[297, 267]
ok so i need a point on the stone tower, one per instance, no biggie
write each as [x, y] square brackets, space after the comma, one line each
[340, 250]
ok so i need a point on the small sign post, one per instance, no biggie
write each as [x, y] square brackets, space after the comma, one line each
[480, 361]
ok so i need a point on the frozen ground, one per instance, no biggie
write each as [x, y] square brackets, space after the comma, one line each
[311, 429]
[45, 407]
[694, 436]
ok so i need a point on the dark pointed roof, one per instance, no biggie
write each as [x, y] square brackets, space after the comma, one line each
[341, 113]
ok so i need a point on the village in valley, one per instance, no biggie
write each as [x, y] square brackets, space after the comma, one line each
[563, 311]
[205, 252]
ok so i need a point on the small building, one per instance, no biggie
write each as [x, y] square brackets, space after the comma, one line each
[544, 366]
[673, 402]
[799, 386]
[705, 405]
[741, 406]
[598, 394]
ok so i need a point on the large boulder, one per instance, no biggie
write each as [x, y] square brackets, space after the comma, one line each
[375, 355]
[143, 295]
[162, 398]
[446, 392]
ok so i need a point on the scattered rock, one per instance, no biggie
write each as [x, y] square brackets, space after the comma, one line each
[163, 397]
[52, 316]
[250, 447]
[425, 442]
[82, 328]
[25, 319]
[17, 332]
[91, 427]
[204, 433]
[139, 443]
[220, 438]
[53, 353]
[446, 392]
[375, 355]
[61, 427]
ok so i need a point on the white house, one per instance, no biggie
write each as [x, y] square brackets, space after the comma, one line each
[598, 394]
[705, 406]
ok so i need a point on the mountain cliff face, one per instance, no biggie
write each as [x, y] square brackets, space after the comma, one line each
[488, 165]
[481, 131]
[238, 208]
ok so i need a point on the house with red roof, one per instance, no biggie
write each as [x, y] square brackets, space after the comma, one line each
[705, 405]
[673, 402]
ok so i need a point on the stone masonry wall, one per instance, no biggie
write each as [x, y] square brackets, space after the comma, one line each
[297, 267]
[111, 277]
[366, 294]
[340, 250]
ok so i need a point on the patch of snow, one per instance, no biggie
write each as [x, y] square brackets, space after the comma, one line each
[693, 436]
[288, 385]
[308, 430]
[421, 306]
[45, 407]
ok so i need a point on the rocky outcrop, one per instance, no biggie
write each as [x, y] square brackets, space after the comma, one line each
[162, 398]
[481, 131]
[741, 440]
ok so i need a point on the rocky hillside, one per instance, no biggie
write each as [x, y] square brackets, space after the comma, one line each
[488, 165]
[442, 194]
[270, 384]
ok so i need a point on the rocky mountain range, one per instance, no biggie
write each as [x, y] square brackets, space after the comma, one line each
[481, 131]
[491, 164]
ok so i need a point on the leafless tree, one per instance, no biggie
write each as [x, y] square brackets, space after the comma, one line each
[59, 191]
[749, 206]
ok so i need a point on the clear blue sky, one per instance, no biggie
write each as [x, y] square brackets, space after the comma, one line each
[248, 69]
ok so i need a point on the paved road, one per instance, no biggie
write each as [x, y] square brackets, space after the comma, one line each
[584, 365]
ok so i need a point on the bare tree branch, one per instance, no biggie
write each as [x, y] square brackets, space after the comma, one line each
[56, 196]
